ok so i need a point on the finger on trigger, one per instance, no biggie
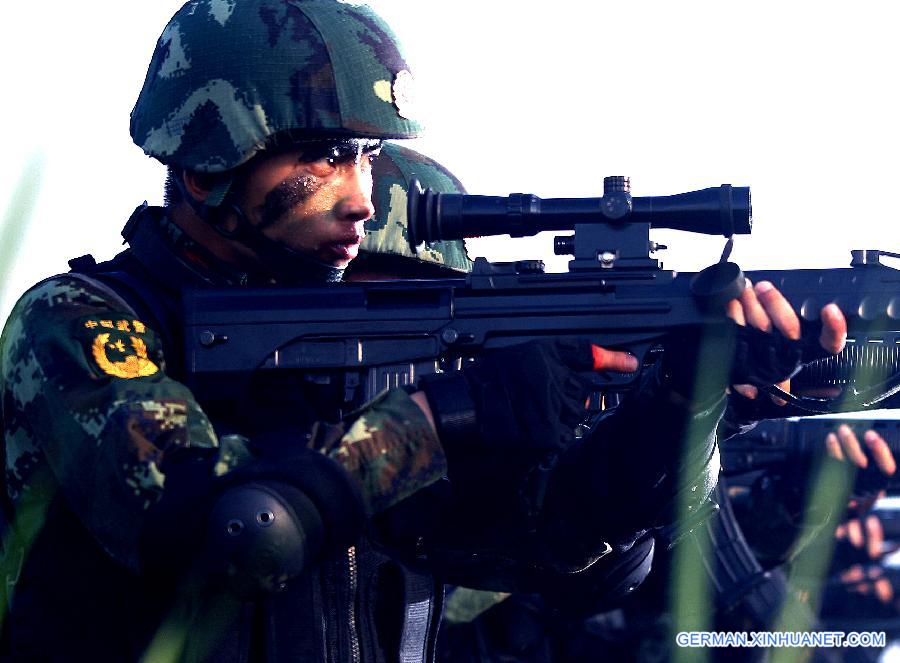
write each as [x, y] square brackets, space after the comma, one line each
[834, 328]
[779, 310]
[881, 452]
[851, 446]
[613, 360]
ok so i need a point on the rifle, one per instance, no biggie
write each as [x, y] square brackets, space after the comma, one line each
[365, 337]
[789, 448]
[361, 338]
[779, 445]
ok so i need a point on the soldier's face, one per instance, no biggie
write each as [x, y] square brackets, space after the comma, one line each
[314, 198]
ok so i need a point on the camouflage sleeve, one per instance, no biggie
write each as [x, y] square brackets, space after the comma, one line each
[390, 450]
[89, 412]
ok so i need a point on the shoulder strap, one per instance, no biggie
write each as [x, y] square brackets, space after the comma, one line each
[130, 280]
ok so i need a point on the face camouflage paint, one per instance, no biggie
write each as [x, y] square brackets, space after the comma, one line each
[283, 197]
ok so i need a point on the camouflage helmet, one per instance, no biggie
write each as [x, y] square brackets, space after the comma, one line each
[229, 77]
[386, 231]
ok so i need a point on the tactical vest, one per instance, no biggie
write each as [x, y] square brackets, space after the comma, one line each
[360, 606]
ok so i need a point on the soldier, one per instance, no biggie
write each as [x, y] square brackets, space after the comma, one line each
[384, 252]
[143, 524]
[109, 458]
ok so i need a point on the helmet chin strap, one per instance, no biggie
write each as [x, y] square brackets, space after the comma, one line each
[286, 265]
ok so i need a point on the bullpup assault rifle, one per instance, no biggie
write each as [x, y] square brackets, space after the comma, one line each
[361, 338]
[775, 456]
[364, 337]
[779, 445]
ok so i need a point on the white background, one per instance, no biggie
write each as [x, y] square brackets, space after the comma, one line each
[796, 99]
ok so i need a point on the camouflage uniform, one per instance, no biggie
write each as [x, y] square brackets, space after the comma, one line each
[90, 412]
[93, 411]
[386, 242]
[89, 361]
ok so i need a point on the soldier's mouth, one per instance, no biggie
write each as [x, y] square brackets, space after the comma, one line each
[344, 249]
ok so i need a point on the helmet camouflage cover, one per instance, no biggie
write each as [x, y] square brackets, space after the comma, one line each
[228, 76]
[386, 232]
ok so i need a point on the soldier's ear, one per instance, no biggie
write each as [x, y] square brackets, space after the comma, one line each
[197, 185]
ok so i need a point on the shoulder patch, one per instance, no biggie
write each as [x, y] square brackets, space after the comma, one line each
[119, 347]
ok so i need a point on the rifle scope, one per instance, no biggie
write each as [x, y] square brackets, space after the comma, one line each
[436, 216]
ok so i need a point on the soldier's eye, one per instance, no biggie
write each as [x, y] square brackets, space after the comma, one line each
[319, 152]
[322, 167]
[325, 156]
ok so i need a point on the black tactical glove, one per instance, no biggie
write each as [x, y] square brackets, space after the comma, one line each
[701, 363]
[764, 358]
[870, 480]
[513, 407]
[522, 396]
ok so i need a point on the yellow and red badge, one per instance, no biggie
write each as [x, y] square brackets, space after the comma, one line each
[119, 347]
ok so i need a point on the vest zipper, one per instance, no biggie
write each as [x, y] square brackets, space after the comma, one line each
[352, 581]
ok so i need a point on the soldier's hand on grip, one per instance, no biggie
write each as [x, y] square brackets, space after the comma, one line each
[523, 397]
